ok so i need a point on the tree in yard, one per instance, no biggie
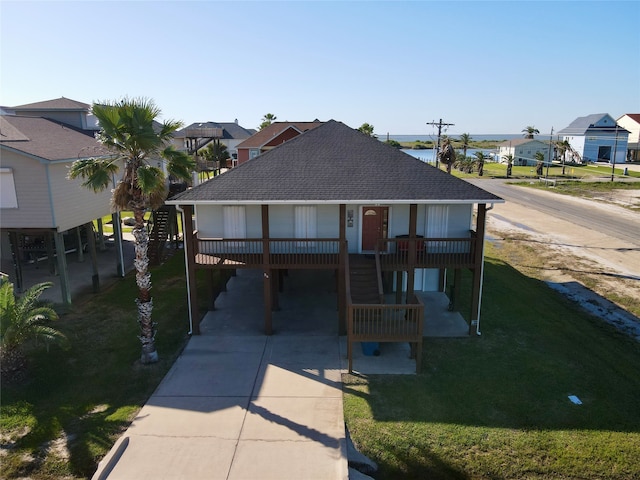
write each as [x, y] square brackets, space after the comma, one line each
[480, 159]
[128, 127]
[539, 156]
[216, 153]
[465, 138]
[23, 320]
[366, 129]
[447, 154]
[509, 159]
[530, 131]
[267, 120]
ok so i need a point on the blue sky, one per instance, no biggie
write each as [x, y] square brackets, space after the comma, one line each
[487, 67]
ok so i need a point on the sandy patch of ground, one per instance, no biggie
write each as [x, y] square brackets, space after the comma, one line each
[599, 272]
[624, 198]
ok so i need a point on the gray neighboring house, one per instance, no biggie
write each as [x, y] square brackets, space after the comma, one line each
[333, 198]
[597, 138]
[43, 213]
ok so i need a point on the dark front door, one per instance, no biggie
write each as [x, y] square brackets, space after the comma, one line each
[374, 226]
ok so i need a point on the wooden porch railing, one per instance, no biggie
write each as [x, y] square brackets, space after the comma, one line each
[429, 252]
[282, 252]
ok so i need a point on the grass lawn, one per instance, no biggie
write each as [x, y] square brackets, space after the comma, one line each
[585, 172]
[497, 406]
[77, 402]
[489, 407]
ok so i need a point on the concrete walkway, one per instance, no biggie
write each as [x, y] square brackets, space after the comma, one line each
[240, 405]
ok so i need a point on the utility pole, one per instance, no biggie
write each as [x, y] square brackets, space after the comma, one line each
[549, 159]
[439, 125]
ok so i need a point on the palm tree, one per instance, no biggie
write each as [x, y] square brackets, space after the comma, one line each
[216, 153]
[509, 159]
[465, 138]
[530, 132]
[367, 129]
[481, 158]
[539, 156]
[22, 320]
[128, 127]
[267, 120]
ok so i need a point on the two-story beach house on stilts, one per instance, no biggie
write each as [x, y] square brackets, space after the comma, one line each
[333, 198]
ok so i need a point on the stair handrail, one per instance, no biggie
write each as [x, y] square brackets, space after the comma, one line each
[379, 275]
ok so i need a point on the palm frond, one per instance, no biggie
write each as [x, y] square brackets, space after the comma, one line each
[97, 173]
[180, 164]
[150, 179]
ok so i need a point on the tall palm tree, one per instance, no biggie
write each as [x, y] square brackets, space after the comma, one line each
[24, 319]
[465, 138]
[530, 131]
[509, 159]
[481, 158]
[267, 120]
[128, 127]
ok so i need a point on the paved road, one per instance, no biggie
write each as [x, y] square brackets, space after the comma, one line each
[611, 220]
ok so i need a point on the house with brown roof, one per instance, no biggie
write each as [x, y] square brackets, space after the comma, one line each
[272, 136]
[336, 199]
[43, 213]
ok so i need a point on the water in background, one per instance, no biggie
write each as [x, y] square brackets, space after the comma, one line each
[423, 138]
[429, 155]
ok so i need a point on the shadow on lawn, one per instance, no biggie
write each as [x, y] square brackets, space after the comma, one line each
[536, 349]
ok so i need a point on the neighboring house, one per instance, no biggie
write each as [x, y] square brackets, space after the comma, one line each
[597, 138]
[334, 197]
[631, 123]
[43, 213]
[198, 135]
[272, 136]
[64, 110]
[524, 151]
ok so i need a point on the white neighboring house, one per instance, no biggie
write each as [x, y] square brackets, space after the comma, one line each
[597, 138]
[631, 122]
[524, 151]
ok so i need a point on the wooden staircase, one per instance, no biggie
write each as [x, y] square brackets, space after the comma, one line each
[364, 280]
[162, 219]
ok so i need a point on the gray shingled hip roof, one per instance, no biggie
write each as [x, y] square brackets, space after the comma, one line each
[334, 164]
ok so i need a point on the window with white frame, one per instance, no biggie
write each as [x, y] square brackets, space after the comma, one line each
[8, 197]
